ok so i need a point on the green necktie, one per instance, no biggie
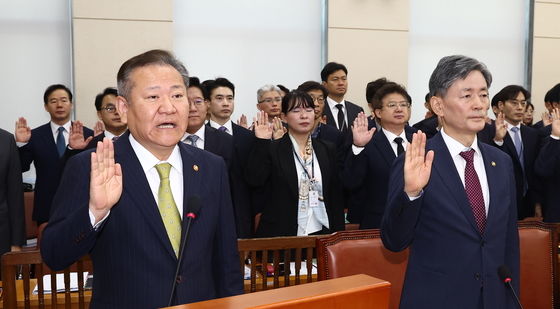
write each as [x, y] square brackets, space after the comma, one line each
[168, 208]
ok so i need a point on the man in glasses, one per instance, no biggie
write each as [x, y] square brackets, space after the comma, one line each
[366, 170]
[114, 126]
[269, 100]
[520, 142]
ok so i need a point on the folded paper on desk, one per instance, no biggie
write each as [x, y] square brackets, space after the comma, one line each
[47, 289]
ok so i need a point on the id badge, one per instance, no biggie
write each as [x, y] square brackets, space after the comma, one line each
[313, 199]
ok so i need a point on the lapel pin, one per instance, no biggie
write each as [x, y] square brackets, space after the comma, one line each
[195, 168]
[493, 163]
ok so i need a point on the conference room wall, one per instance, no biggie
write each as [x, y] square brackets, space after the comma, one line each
[105, 34]
[546, 47]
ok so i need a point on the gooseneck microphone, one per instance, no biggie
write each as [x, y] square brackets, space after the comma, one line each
[505, 276]
[193, 207]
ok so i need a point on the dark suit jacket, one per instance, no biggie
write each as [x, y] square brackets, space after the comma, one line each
[41, 150]
[366, 176]
[272, 163]
[219, 143]
[132, 256]
[12, 216]
[352, 111]
[547, 166]
[531, 146]
[449, 259]
[428, 126]
[68, 153]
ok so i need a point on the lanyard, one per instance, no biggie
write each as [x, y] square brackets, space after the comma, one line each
[312, 176]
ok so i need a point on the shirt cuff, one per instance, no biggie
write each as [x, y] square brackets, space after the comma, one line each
[92, 220]
[356, 150]
[555, 137]
[413, 198]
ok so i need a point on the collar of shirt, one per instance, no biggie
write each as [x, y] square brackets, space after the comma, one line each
[228, 126]
[148, 162]
[66, 133]
[200, 133]
[391, 137]
[334, 110]
[455, 147]
[109, 135]
[511, 133]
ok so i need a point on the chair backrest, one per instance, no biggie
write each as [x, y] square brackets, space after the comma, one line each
[276, 262]
[28, 265]
[348, 253]
[538, 243]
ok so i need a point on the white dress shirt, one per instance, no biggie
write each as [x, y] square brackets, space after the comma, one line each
[455, 147]
[228, 125]
[66, 132]
[334, 110]
[390, 137]
[200, 134]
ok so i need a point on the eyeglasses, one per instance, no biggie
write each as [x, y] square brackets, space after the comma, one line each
[318, 100]
[109, 109]
[401, 104]
[270, 100]
[517, 103]
[196, 102]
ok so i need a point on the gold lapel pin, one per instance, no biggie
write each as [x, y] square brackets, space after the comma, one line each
[195, 168]
[493, 163]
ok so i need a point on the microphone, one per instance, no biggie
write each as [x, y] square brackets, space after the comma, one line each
[505, 276]
[193, 207]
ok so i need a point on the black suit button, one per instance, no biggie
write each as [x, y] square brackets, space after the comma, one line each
[477, 276]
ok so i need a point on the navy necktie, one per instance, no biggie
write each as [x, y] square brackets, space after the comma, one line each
[60, 142]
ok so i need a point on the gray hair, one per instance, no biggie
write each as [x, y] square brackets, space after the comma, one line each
[152, 57]
[452, 68]
[264, 89]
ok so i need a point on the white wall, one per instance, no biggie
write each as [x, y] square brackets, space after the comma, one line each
[34, 53]
[490, 31]
[251, 43]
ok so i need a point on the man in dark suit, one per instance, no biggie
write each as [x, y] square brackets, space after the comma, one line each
[547, 166]
[111, 122]
[429, 125]
[339, 112]
[452, 201]
[12, 220]
[368, 164]
[520, 142]
[45, 145]
[221, 101]
[127, 214]
[551, 101]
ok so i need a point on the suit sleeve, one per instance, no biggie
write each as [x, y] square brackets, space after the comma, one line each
[69, 234]
[26, 155]
[15, 197]
[400, 217]
[548, 156]
[512, 242]
[259, 163]
[354, 169]
[228, 277]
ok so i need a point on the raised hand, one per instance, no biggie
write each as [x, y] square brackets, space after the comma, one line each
[262, 128]
[546, 119]
[360, 133]
[417, 165]
[555, 122]
[22, 132]
[501, 128]
[243, 121]
[278, 129]
[323, 119]
[98, 128]
[105, 180]
[76, 137]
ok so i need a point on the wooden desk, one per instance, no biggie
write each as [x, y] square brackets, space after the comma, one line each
[357, 292]
[35, 300]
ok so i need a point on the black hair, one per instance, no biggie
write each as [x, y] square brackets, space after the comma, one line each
[295, 99]
[509, 93]
[106, 92]
[330, 68]
[212, 84]
[311, 85]
[53, 88]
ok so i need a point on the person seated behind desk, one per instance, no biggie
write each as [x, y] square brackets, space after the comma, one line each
[305, 195]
